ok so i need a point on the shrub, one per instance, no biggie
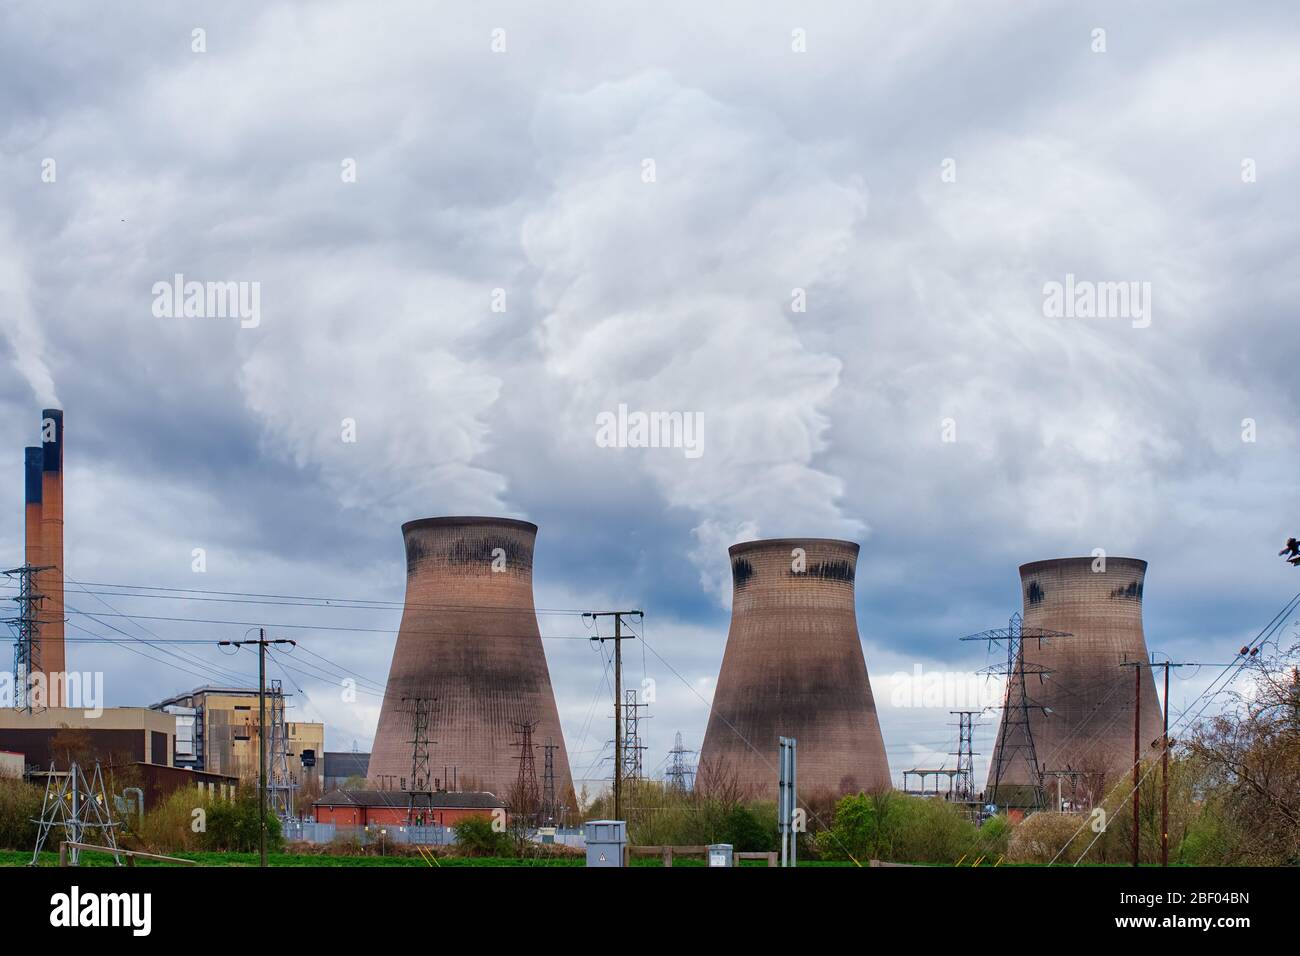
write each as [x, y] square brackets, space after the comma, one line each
[892, 826]
[169, 826]
[1046, 836]
[747, 833]
[233, 825]
[20, 804]
[475, 837]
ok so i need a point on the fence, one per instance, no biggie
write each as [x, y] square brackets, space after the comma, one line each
[310, 832]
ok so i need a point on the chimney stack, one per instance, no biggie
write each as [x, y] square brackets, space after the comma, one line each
[34, 460]
[53, 655]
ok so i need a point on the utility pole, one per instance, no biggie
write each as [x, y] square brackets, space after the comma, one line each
[618, 639]
[1164, 753]
[261, 643]
[1137, 748]
[1164, 779]
[1137, 754]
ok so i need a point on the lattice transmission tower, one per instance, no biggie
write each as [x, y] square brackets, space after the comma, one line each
[680, 775]
[26, 626]
[80, 807]
[1016, 733]
[526, 798]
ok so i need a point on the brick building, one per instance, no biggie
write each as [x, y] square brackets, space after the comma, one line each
[359, 808]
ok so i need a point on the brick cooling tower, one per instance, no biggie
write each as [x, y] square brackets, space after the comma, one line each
[469, 640]
[793, 667]
[1088, 695]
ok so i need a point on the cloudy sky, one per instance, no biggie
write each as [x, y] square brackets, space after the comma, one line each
[825, 228]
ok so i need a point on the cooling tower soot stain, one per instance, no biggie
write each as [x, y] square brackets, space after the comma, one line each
[828, 571]
[1131, 593]
[466, 553]
[741, 571]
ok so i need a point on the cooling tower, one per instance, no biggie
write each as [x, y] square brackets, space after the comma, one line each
[1088, 696]
[469, 640]
[50, 582]
[793, 667]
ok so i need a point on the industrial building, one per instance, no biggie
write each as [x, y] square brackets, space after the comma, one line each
[360, 808]
[342, 766]
[119, 735]
[793, 667]
[468, 668]
[1078, 728]
[217, 731]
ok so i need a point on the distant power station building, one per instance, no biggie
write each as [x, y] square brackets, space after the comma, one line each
[793, 667]
[468, 668]
[1081, 713]
[218, 730]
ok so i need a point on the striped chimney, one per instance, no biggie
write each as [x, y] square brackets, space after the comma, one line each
[34, 462]
[53, 654]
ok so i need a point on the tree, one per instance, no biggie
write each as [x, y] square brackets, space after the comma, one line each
[1251, 760]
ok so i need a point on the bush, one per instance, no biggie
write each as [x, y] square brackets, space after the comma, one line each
[475, 837]
[747, 832]
[20, 804]
[169, 826]
[232, 825]
[892, 826]
[1046, 836]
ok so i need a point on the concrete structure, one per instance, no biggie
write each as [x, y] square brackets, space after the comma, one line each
[1088, 726]
[470, 645]
[217, 731]
[120, 735]
[794, 667]
[342, 766]
[359, 808]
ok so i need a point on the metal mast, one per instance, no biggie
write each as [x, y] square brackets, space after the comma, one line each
[680, 771]
[965, 783]
[420, 710]
[81, 808]
[280, 783]
[525, 796]
[550, 812]
[633, 762]
[27, 634]
[1017, 744]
